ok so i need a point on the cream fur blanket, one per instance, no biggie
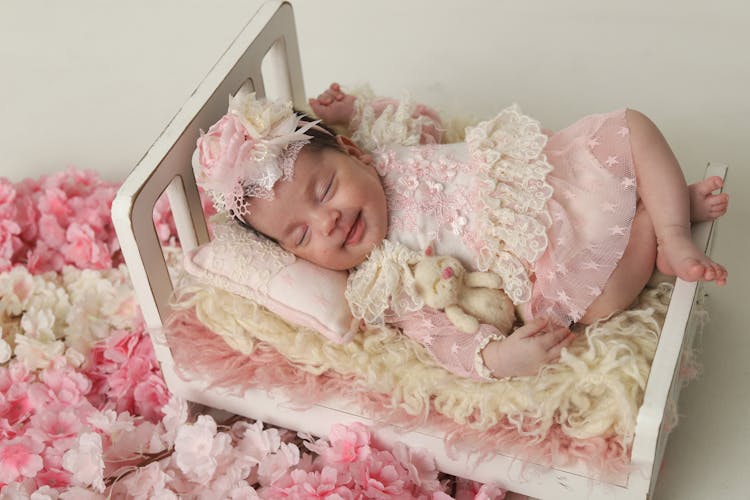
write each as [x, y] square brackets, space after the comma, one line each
[595, 389]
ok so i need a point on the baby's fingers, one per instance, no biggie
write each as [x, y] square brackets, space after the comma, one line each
[531, 328]
[555, 350]
[552, 338]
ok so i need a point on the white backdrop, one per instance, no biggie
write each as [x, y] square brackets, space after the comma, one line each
[91, 83]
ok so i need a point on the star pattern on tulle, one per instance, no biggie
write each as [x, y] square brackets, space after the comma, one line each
[560, 240]
[623, 131]
[428, 339]
[561, 268]
[563, 297]
[594, 291]
[617, 230]
[628, 182]
[612, 161]
[551, 275]
[591, 265]
[593, 142]
[454, 348]
[608, 207]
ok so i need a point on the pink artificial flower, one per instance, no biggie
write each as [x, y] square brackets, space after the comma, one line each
[472, 490]
[7, 199]
[381, 476]
[65, 384]
[344, 445]
[84, 250]
[163, 220]
[85, 461]
[19, 457]
[53, 478]
[145, 482]
[420, 464]
[26, 215]
[10, 243]
[150, 395]
[42, 258]
[275, 465]
[51, 232]
[54, 423]
[124, 371]
[54, 202]
[326, 484]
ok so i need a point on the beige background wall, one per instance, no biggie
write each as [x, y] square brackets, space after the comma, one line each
[91, 83]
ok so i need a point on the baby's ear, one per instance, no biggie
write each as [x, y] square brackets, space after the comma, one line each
[352, 149]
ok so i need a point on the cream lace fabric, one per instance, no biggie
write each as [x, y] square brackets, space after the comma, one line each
[509, 149]
[380, 122]
[261, 258]
[384, 282]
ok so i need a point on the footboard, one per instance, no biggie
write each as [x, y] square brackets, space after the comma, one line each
[167, 166]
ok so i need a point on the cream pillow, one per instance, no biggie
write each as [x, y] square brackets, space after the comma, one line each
[256, 268]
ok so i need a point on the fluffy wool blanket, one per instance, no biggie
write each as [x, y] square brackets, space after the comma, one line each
[589, 400]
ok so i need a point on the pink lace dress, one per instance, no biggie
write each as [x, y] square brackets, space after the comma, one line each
[550, 214]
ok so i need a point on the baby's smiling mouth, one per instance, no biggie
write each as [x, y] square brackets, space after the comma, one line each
[355, 231]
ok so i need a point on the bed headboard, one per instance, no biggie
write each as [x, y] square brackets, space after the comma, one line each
[264, 55]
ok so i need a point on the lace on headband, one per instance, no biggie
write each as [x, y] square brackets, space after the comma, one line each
[248, 150]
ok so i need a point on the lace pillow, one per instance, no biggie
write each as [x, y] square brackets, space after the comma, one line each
[253, 267]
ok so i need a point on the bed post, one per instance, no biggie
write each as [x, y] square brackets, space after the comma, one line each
[167, 166]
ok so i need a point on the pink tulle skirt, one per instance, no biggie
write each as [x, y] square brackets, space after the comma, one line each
[592, 210]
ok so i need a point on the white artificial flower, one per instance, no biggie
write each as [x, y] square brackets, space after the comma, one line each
[74, 357]
[175, 414]
[85, 461]
[35, 354]
[5, 350]
[193, 449]
[16, 287]
[45, 493]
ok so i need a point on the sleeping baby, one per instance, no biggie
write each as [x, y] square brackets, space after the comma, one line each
[569, 224]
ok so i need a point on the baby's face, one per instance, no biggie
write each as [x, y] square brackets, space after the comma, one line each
[332, 212]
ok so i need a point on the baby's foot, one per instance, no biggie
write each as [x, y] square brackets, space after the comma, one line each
[678, 256]
[704, 205]
[333, 106]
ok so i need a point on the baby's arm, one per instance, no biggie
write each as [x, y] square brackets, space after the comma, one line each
[334, 107]
[338, 109]
[526, 350]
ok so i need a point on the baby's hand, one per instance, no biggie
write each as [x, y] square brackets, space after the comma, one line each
[333, 106]
[526, 350]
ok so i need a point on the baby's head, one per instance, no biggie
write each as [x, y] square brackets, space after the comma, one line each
[314, 193]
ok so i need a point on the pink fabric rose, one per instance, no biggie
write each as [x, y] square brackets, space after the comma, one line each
[223, 148]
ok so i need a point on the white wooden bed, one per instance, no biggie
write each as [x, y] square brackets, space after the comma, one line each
[266, 52]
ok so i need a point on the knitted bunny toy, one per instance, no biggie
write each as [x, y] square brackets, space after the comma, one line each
[468, 298]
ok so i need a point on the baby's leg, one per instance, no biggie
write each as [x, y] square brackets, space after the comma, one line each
[632, 272]
[666, 198]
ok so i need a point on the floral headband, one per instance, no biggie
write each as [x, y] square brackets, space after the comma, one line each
[250, 148]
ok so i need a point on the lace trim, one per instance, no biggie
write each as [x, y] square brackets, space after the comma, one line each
[251, 259]
[385, 280]
[399, 123]
[479, 365]
[515, 193]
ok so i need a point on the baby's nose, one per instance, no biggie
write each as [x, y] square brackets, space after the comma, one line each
[328, 220]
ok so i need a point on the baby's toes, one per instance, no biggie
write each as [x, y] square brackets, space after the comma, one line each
[714, 182]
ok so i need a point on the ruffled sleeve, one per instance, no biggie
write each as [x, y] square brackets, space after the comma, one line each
[379, 122]
[515, 192]
[384, 282]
